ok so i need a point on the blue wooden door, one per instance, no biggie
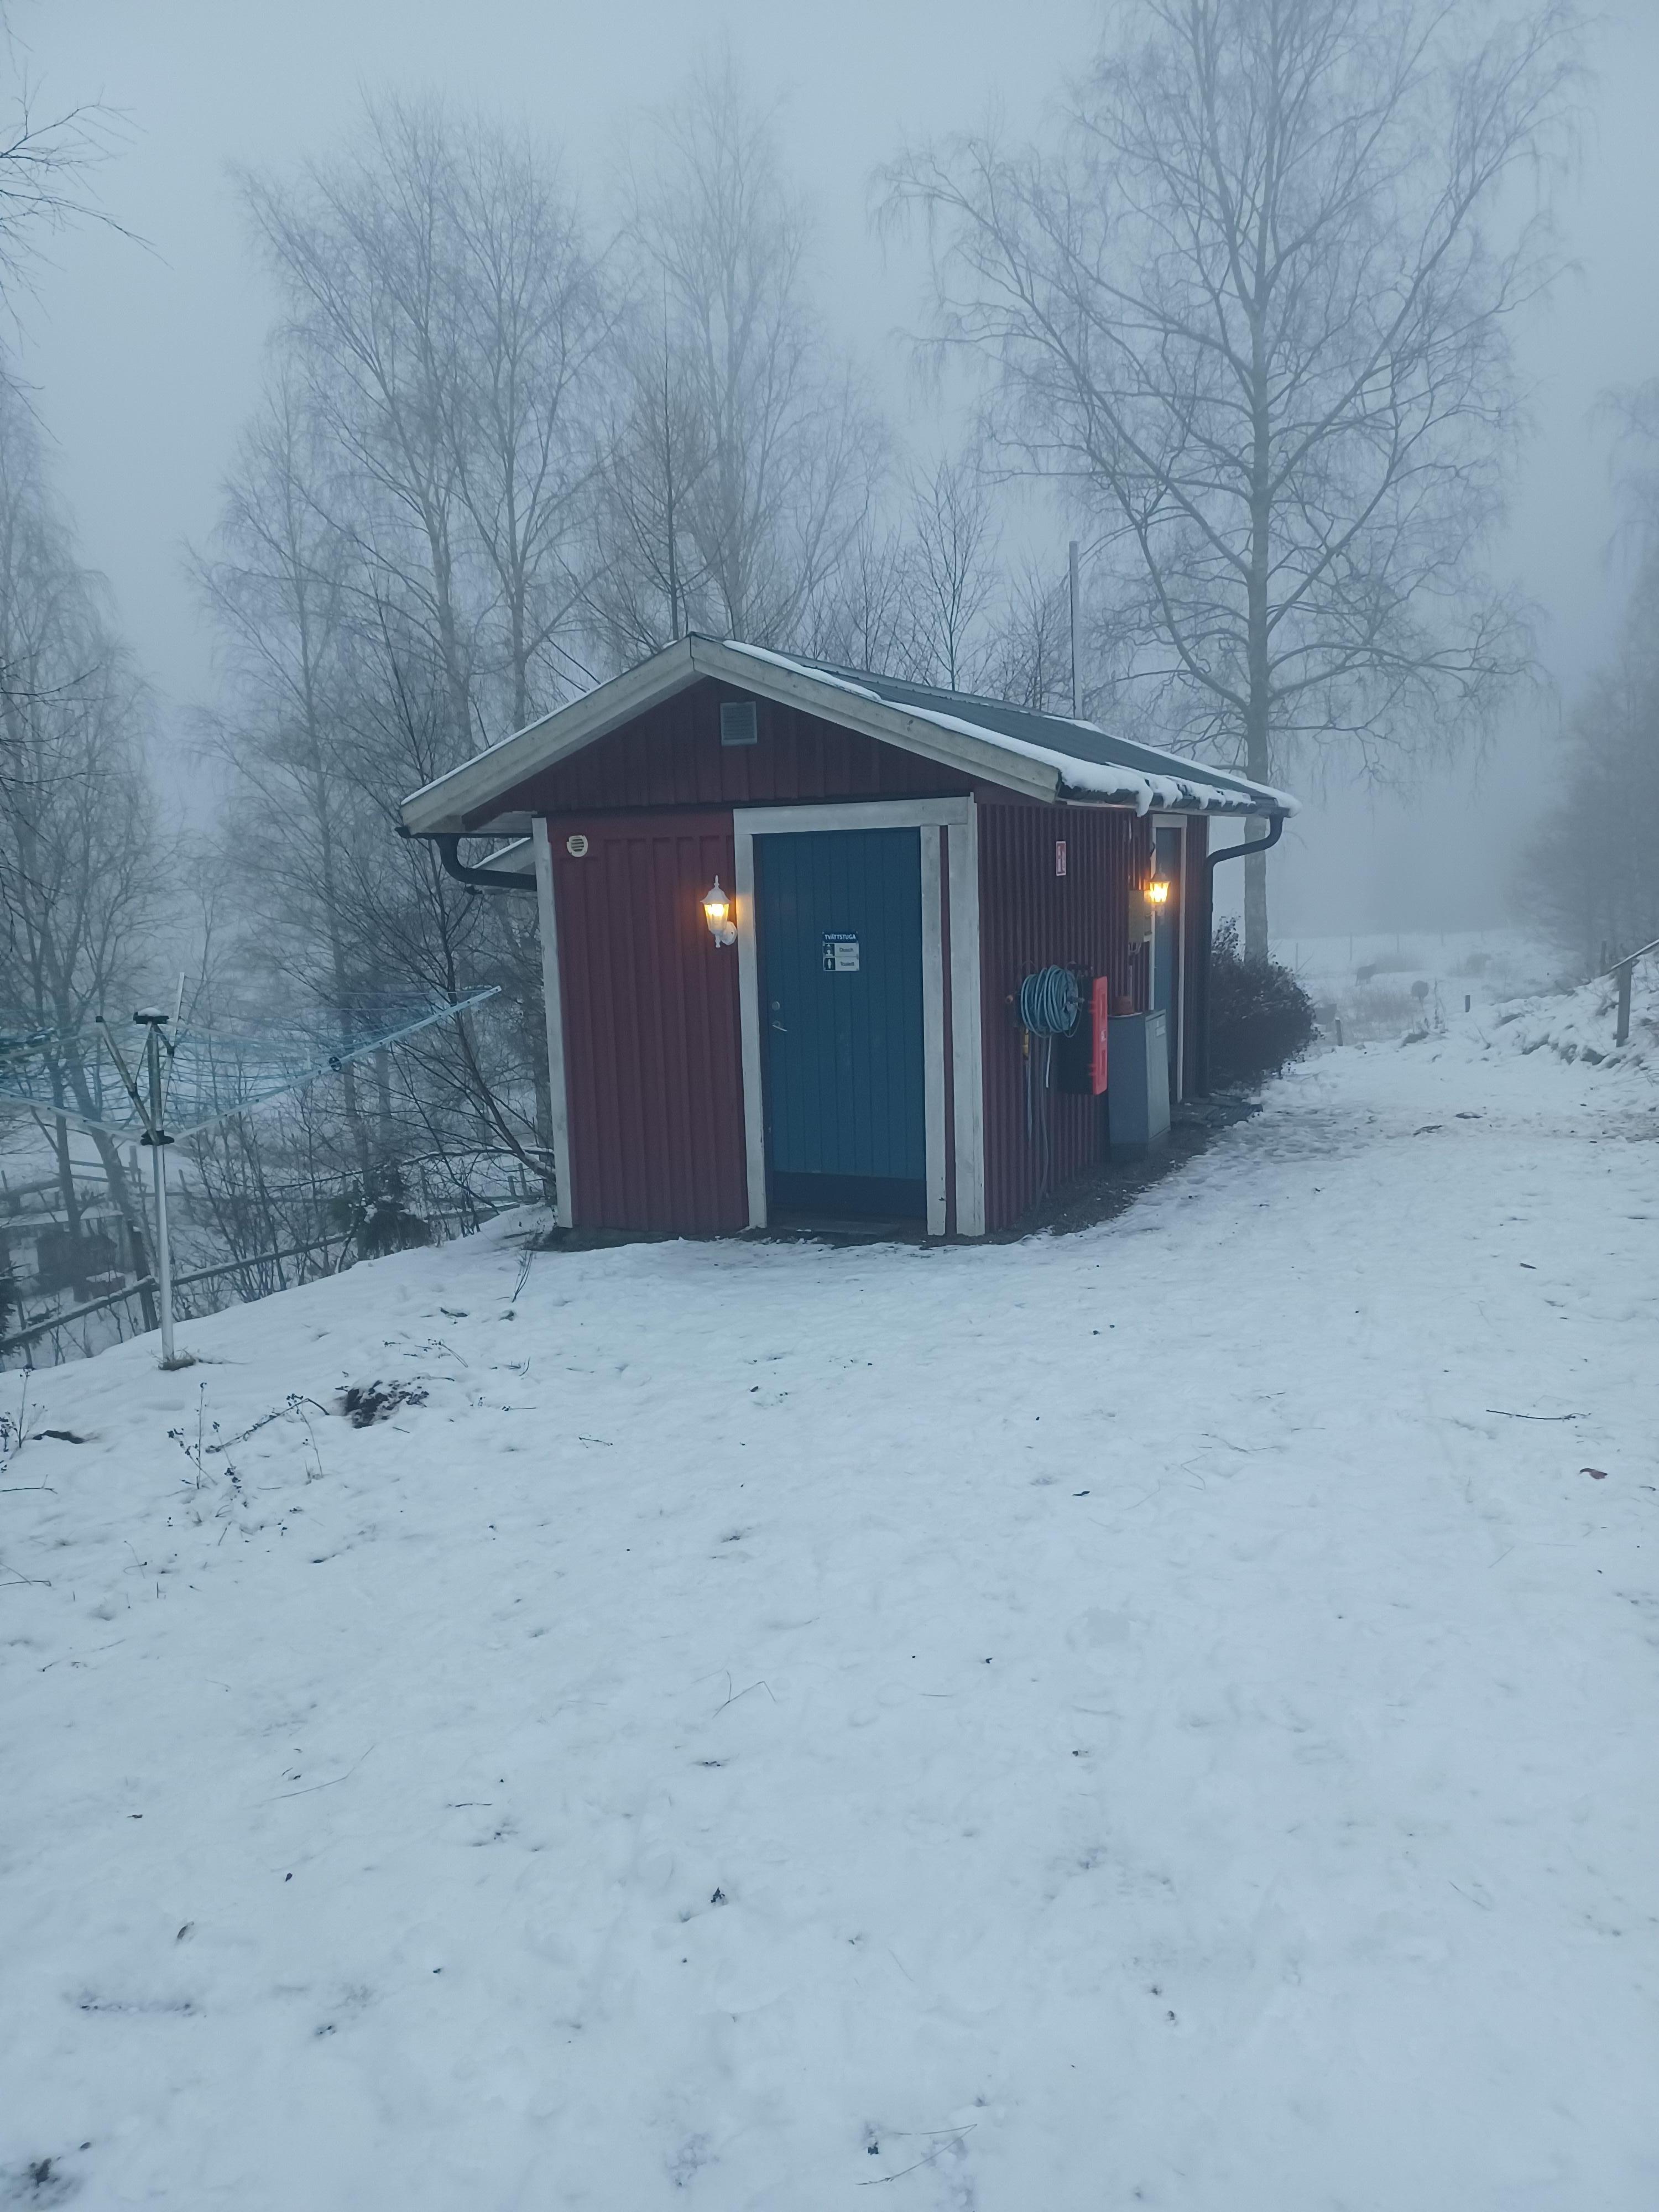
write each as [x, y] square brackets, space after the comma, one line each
[838, 930]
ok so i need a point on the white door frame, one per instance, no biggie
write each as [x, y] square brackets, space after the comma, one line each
[1161, 921]
[958, 818]
[553, 1007]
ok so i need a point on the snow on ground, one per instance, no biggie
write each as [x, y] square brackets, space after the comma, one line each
[1379, 989]
[1583, 1024]
[1379, 986]
[1157, 1717]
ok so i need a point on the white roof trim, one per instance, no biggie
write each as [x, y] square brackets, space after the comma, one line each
[973, 751]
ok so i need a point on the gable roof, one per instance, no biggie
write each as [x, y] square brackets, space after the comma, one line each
[1047, 756]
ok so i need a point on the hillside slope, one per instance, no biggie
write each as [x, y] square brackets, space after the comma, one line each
[1164, 1716]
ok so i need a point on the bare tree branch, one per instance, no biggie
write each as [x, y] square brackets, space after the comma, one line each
[1254, 314]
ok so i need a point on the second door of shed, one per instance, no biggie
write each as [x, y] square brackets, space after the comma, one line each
[838, 931]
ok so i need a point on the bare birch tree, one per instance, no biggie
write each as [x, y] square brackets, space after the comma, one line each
[649, 573]
[80, 873]
[1254, 314]
[279, 587]
[445, 315]
[1589, 876]
[865, 618]
[362, 255]
[532, 318]
[1030, 660]
[338, 703]
[953, 576]
[786, 449]
[46, 162]
[405, 562]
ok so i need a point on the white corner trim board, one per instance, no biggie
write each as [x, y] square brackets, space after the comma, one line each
[754, 1089]
[967, 1053]
[933, 1027]
[553, 1003]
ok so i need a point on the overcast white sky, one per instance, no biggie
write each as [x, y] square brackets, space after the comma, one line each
[147, 360]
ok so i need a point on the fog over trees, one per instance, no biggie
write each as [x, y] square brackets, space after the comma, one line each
[503, 455]
[82, 862]
[1251, 314]
[1591, 874]
[82, 858]
[1241, 320]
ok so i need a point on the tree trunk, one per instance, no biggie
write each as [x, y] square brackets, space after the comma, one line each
[115, 1175]
[544, 1127]
[322, 805]
[383, 1106]
[1255, 898]
[1258, 727]
[71, 1203]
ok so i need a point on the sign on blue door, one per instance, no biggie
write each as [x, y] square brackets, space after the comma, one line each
[841, 952]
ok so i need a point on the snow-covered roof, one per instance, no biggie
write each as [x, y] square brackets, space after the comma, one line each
[1089, 758]
[1048, 756]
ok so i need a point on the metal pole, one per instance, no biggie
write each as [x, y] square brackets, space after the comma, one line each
[1621, 1035]
[1071, 576]
[159, 1174]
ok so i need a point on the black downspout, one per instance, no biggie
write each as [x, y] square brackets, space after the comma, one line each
[476, 879]
[1212, 862]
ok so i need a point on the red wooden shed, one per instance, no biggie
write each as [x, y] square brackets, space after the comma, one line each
[870, 1028]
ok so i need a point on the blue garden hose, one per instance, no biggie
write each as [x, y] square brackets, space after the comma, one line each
[1049, 1002]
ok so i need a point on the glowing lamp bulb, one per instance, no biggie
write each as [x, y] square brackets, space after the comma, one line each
[1158, 891]
[717, 913]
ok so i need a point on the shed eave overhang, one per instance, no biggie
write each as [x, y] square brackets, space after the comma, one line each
[474, 799]
[484, 795]
[487, 794]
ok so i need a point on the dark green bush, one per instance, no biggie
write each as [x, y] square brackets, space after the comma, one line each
[1261, 1017]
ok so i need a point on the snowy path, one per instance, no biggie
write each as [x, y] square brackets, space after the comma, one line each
[1106, 1721]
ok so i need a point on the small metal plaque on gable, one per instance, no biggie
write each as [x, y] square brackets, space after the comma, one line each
[841, 952]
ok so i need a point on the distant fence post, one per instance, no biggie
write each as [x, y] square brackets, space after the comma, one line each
[1626, 969]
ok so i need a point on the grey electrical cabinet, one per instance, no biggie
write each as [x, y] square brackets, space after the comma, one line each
[1137, 1082]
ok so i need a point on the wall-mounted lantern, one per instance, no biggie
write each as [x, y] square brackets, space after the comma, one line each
[717, 913]
[1157, 892]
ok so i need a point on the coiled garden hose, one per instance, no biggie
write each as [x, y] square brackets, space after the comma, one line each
[1049, 1003]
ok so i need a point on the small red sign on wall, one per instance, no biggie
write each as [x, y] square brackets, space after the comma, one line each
[1060, 856]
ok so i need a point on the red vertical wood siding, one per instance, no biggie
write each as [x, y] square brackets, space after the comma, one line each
[1195, 928]
[1030, 918]
[653, 1065]
[673, 757]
